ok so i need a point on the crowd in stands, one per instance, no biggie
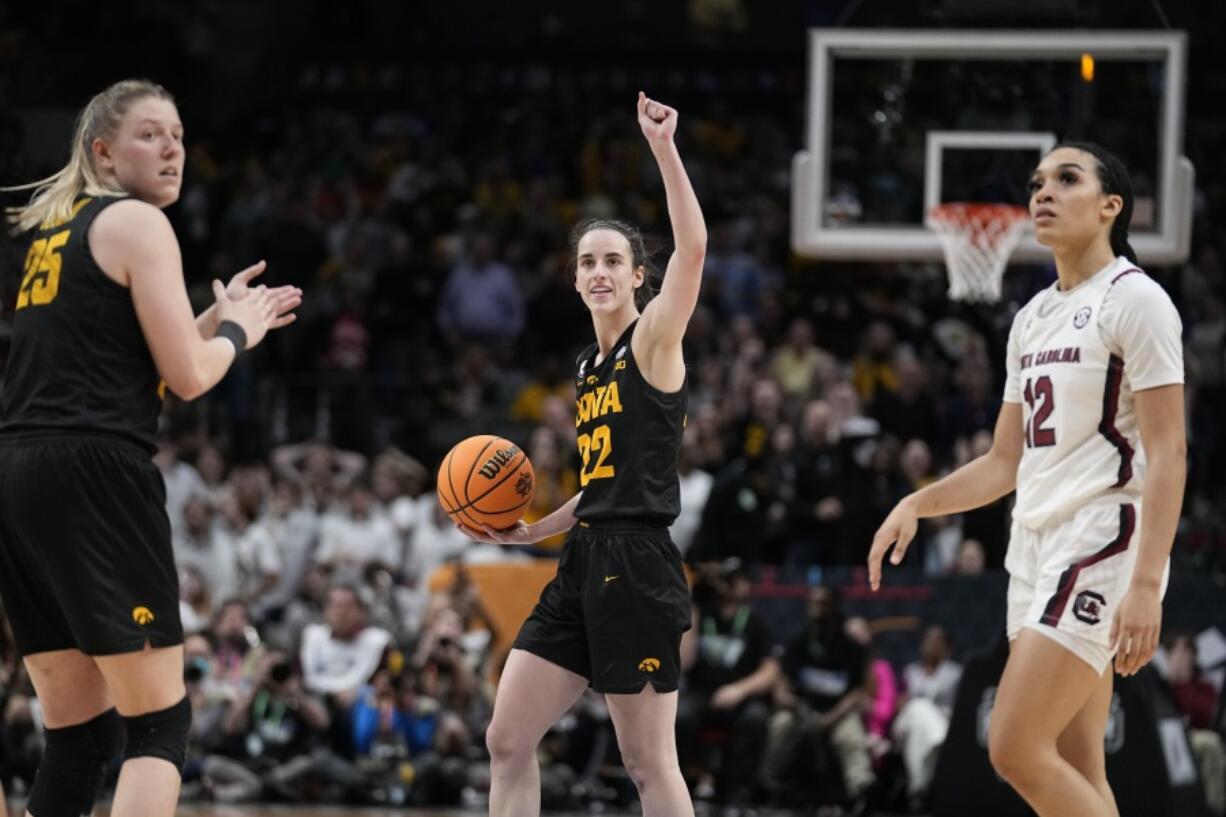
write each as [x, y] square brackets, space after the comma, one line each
[323, 663]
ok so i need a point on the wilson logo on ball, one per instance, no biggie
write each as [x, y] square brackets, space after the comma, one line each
[495, 463]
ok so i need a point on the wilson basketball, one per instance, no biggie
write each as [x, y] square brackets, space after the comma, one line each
[486, 480]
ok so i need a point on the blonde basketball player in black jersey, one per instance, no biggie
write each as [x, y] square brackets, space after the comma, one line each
[1091, 434]
[101, 322]
[614, 615]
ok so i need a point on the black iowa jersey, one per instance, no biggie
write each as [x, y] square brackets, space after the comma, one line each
[629, 438]
[78, 363]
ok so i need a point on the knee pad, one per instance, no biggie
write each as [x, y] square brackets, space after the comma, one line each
[74, 766]
[161, 734]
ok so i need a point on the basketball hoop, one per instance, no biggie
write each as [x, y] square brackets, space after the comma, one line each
[977, 240]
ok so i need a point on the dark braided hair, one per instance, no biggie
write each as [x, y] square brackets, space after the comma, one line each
[1113, 177]
[638, 248]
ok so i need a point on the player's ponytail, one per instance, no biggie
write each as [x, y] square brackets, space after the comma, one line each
[1113, 177]
[638, 248]
[54, 196]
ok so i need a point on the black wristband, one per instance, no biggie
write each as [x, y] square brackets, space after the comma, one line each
[234, 333]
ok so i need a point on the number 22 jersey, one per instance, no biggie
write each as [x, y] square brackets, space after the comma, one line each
[629, 436]
[1075, 360]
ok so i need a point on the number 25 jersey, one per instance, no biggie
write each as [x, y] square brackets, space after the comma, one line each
[629, 436]
[79, 363]
[1075, 360]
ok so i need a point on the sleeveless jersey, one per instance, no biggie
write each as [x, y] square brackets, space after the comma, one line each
[1075, 359]
[78, 364]
[629, 438]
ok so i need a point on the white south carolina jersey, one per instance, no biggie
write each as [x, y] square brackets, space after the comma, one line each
[1074, 361]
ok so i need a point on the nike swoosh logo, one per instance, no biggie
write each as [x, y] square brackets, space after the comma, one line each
[608, 579]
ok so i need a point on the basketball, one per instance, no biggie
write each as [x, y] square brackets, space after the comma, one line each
[486, 480]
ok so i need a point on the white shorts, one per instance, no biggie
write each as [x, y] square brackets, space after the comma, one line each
[1066, 580]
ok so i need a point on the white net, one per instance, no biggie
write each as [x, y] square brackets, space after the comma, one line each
[977, 239]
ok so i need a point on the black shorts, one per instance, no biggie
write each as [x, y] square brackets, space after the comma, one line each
[85, 554]
[616, 610]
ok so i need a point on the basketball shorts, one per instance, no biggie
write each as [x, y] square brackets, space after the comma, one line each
[615, 611]
[85, 554]
[1066, 580]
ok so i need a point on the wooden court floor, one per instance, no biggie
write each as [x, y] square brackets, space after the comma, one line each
[198, 810]
[195, 810]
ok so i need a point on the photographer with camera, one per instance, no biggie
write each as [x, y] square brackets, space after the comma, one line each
[272, 730]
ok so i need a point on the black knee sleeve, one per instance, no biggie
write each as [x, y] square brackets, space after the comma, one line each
[74, 766]
[160, 734]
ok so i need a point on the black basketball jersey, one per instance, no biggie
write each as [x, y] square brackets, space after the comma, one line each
[629, 438]
[78, 363]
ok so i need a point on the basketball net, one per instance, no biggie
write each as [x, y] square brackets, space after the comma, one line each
[977, 240]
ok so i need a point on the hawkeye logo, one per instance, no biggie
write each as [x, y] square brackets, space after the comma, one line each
[142, 615]
[649, 665]
[494, 464]
[598, 403]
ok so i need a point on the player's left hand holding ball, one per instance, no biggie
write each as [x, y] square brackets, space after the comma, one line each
[517, 534]
[1135, 628]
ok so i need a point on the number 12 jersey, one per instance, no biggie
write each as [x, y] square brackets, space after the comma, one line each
[1075, 360]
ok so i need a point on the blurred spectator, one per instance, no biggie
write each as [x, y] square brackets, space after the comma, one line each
[931, 687]
[818, 510]
[873, 368]
[340, 655]
[731, 664]
[970, 559]
[823, 691]
[1197, 700]
[871, 494]
[397, 480]
[357, 534]
[795, 364]
[256, 558]
[915, 464]
[211, 465]
[294, 527]
[695, 488]
[200, 545]
[881, 702]
[907, 412]
[481, 299]
[182, 480]
[732, 278]
[460, 602]
[195, 604]
[734, 520]
[237, 647]
[319, 468]
[851, 425]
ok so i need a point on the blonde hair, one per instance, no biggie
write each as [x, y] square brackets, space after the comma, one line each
[54, 196]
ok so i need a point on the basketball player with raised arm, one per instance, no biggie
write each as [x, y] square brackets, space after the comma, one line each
[613, 616]
[102, 325]
[1091, 435]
